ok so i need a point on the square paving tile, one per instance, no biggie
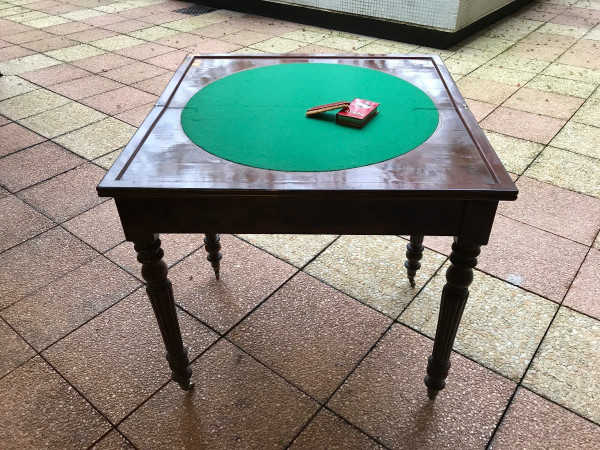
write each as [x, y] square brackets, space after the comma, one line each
[519, 63]
[39, 261]
[13, 85]
[544, 103]
[485, 90]
[31, 103]
[127, 26]
[386, 397]
[67, 28]
[85, 87]
[247, 277]
[48, 413]
[9, 27]
[181, 40]
[27, 16]
[589, 113]
[532, 51]
[147, 50]
[573, 73]
[99, 138]
[63, 119]
[101, 21]
[579, 138]
[14, 51]
[501, 327]
[38, 163]
[53, 43]
[117, 43]
[214, 46]
[27, 36]
[516, 154]
[75, 53]
[553, 209]
[311, 334]
[561, 86]
[154, 85]
[187, 24]
[119, 100]
[152, 33]
[566, 367]
[524, 125]
[532, 258]
[327, 430]
[19, 222]
[14, 351]
[503, 75]
[118, 359]
[68, 194]
[574, 20]
[568, 170]
[171, 61]
[218, 30]
[371, 269]
[480, 109]
[308, 49]
[55, 74]
[108, 160]
[345, 43]
[579, 58]
[82, 14]
[100, 226]
[133, 72]
[246, 37]
[158, 17]
[103, 63]
[295, 249]
[546, 39]
[241, 404]
[60, 307]
[534, 422]
[175, 246]
[585, 291]
[47, 22]
[135, 116]
[93, 34]
[14, 137]
[564, 30]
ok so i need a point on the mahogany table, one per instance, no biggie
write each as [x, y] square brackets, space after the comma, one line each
[227, 149]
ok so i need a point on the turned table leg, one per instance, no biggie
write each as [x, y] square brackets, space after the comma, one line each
[454, 297]
[160, 292]
[414, 253]
[212, 244]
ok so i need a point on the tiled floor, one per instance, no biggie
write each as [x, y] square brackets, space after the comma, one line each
[313, 342]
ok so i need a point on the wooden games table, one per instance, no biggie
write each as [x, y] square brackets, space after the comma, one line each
[228, 149]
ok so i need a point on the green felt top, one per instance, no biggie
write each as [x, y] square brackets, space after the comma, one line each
[257, 117]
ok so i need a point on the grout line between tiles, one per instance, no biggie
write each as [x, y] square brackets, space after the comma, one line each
[113, 428]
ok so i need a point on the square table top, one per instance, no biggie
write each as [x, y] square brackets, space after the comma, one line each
[455, 162]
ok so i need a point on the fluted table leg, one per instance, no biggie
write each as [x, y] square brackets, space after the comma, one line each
[459, 277]
[414, 253]
[160, 292]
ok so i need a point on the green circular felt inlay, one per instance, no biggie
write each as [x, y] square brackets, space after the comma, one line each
[257, 117]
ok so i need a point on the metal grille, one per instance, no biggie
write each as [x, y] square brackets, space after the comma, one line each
[195, 10]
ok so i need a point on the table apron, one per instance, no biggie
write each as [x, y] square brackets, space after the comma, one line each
[281, 215]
